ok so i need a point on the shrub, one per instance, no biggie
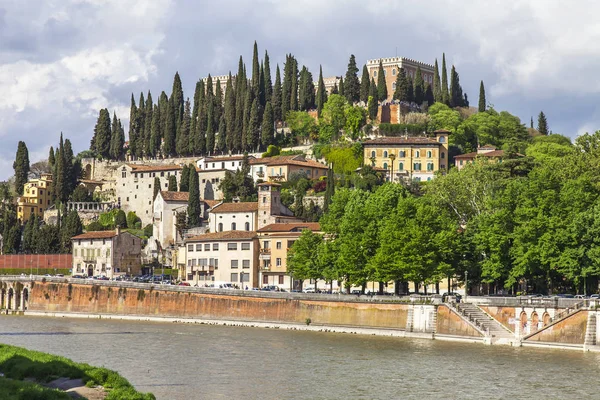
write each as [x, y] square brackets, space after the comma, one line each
[132, 220]
[148, 229]
[320, 186]
[95, 226]
[401, 129]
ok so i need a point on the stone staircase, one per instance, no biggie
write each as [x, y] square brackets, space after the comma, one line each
[590, 332]
[494, 332]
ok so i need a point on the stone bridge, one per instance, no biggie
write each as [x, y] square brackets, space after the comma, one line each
[14, 295]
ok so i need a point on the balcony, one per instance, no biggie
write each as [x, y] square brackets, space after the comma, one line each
[265, 268]
[260, 174]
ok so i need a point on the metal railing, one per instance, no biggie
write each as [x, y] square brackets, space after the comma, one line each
[469, 318]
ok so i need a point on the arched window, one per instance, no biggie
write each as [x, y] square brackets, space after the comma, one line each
[443, 155]
[417, 154]
[220, 227]
[442, 139]
[373, 154]
[233, 226]
[385, 154]
[375, 74]
[394, 72]
[385, 165]
[247, 226]
[429, 154]
[400, 166]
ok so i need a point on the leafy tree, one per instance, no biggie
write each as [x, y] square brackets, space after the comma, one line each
[303, 261]
[149, 230]
[81, 194]
[382, 93]
[482, 104]
[95, 227]
[172, 184]
[120, 219]
[238, 184]
[352, 85]
[365, 85]
[542, 126]
[132, 220]
[194, 207]
[443, 117]
[333, 111]
[301, 124]
[21, 167]
[356, 117]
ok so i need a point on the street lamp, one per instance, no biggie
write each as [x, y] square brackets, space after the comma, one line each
[466, 286]
[392, 157]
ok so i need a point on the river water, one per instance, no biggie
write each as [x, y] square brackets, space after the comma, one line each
[177, 361]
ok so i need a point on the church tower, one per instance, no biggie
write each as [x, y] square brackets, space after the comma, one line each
[269, 203]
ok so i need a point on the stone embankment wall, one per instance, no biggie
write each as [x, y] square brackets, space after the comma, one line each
[571, 330]
[449, 323]
[96, 299]
[504, 315]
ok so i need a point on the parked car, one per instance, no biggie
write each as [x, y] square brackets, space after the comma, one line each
[595, 296]
[456, 295]
[184, 284]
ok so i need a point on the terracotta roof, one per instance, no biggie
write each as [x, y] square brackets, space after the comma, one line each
[227, 158]
[175, 196]
[402, 140]
[289, 160]
[292, 227]
[153, 168]
[226, 235]
[212, 203]
[442, 131]
[268, 184]
[493, 153]
[96, 235]
[249, 206]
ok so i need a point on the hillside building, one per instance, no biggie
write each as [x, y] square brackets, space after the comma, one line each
[36, 198]
[488, 153]
[391, 68]
[279, 168]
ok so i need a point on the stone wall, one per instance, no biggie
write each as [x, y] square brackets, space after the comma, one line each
[570, 330]
[502, 315]
[448, 323]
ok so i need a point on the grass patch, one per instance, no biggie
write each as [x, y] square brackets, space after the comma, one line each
[18, 363]
[18, 390]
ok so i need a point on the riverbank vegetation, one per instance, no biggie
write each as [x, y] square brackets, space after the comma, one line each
[18, 364]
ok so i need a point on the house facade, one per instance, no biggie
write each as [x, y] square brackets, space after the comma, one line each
[275, 241]
[485, 152]
[391, 68]
[135, 187]
[279, 168]
[214, 259]
[106, 253]
[36, 198]
[412, 158]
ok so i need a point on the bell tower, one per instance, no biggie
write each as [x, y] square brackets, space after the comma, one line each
[269, 203]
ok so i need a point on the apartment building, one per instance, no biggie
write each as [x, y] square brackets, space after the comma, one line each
[36, 198]
[279, 168]
[489, 153]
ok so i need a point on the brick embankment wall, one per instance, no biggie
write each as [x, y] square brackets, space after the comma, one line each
[571, 330]
[448, 323]
[502, 315]
[94, 299]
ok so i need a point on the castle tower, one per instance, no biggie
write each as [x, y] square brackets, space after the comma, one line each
[269, 203]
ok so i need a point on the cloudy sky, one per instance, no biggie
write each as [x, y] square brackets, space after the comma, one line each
[63, 60]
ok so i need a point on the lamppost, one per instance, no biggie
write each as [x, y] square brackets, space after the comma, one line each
[392, 157]
[466, 284]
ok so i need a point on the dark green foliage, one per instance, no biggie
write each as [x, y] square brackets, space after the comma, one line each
[419, 87]
[222, 136]
[253, 126]
[183, 138]
[444, 88]
[457, 98]
[218, 100]
[156, 187]
[373, 101]
[365, 85]
[133, 128]
[277, 96]
[428, 98]
[321, 97]
[72, 226]
[482, 103]
[155, 132]
[178, 105]
[116, 139]
[351, 83]
[51, 158]
[255, 72]
[261, 86]
[21, 167]
[247, 132]
[81, 194]
[267, 131]
[268, 82]
[148, 148]
[437, 84]
[132, 220]
[184, 180]
[334, 89]
[95, 226]
[330, 190]
[240, 98]
[120, 219]
[306, 90]
[341, 87]
[172, 184]
[148, 230]
[198, 99]
[238, 184]
[229, 115]
[289, 92]
[386, 129]
[170, 126]
[60, 179]
[382, 93]
[101, 139]
[542, 126]
[140, 116]
[402, 91]
[194, 207]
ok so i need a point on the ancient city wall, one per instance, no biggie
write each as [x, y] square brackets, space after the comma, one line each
[570, 330]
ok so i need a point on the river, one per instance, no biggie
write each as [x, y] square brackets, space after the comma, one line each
[178, 361]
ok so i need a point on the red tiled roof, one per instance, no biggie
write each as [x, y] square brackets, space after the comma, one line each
[226, 235]
[175, 196]
[249, 206]
[153, 168]
[494, 153]
[212, 203]
[402, 141]
[96, 235]
[298, 160]
[292, 227]
[227, 158]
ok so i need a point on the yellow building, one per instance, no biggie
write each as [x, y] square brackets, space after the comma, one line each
[36, 198]
[405, 157]
[275, 241]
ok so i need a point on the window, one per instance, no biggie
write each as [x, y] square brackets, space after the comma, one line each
[220, 227]
[375, 74]
[206, 246]
[234, 277]
[234, 264]
[278, 245]
[373, 154]
[429, 166]
[429, 154]
[107, 252]
[290, 243]
[402, 153]
[266, 244]
[247, 226]
[123, 174]
[203, 262]
[162, 173]
[442, 155]
[461, 162]
[233, 226]
[281, 279]
[141, 175]
[394, 73]
[215, 246]
[442, 139]
[385, 154]
[385, 165]
[223, 165]
[245, 263]
[216, 264]
[231, 246]
[417, 166]
[245, 246]
[400, 166]
[278, 262]
[417, 154]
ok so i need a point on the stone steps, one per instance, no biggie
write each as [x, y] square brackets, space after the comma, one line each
[492, 327]
[590, 332]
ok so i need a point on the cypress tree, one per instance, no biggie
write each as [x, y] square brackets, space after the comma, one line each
[382, 93]
[193, 209]
[240, 96]
[531, 123]
[365, 85]
[229, 115]
[481, 97]
[307, 90]
[210, 129]
[352, 85]
[218, 99]
[155, 132]
[410, 93]
[115, 136]
[268, 83]
[253, 126]
[341, 88]
[261, 85]
[132, 127]
[255, 72]
[184, 180]
[59, 179]
[330, 189]
[286, 90]
[321, 93]
[51, 159]
[148, 125]
[419, 88]
[402, 91]
[222, 138]
[429, 95]
[71, 227]
[334, 89]
[141, 124]
[266, 137]
[194, 119]
[373, 100]
[102, 134]
[178, 104]
[445, 94]
[163, 105]
[246, 133]
[72, 172]
[172, 184]
[183, 139]
[465, 100]
[294, 92]
[169, 140]
[156, 187]
[277, 93]
[542, 124]
[456, 95]
[21, 167]
[202, 119]
[437, 85]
